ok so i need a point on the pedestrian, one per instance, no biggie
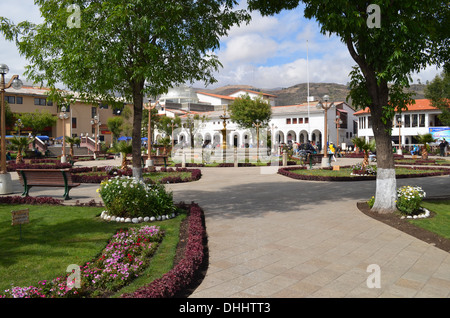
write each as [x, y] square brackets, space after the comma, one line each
[443, 147]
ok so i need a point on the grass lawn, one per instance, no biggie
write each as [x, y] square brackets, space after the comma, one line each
[345, 172]
[58, 236]
[440, 223]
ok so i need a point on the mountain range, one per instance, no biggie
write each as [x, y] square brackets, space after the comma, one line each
[297, 94]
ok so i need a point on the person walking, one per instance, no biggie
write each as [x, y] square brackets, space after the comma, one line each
[443, 147]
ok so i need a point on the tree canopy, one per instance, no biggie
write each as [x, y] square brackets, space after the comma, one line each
[407, 37]
[111, 48]
[245, 111]
[438, 91]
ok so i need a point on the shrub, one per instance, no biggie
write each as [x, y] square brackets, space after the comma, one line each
[409, 199]
[129, 197]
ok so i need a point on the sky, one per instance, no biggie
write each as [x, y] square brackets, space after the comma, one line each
[270, 52]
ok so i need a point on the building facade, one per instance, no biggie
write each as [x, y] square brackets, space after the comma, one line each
[420, 118]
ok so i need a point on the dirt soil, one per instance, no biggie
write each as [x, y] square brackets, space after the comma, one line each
[403, 225]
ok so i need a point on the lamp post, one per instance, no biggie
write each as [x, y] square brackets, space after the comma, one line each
[16, 83]
[325, 107]
[399, 150]
[338, 122]
[95, 121]
[273, 137]
[257, 125]
[63, 115]
[157, 106]
[19, 125]
[172, 123]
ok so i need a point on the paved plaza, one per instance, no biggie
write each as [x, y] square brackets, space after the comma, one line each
[272, 236]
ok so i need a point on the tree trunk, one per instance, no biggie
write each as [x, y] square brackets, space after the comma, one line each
[386, 183]
[138, 101]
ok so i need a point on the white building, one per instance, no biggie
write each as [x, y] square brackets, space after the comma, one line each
[294, 123]
[420, 118]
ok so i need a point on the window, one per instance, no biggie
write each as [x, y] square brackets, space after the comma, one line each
[19, 100]
[10, 99]
[421, 120]
[294, 121]
[407, 121]
[288, 121]
[49, 103]
[103, 106]
[93, 112]
[74, 122]
[306, 120]
[415, 122]
[300, 120]
[40, 101]
[369, 121]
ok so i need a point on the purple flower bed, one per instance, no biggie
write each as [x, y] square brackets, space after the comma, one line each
[113, 172]
[288, 173]
[30, 200]
[182, 274]
[12, 166]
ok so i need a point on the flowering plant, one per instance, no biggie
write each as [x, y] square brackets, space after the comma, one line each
[409, 199]
[359, 169]
[125, 256]
[126, 196]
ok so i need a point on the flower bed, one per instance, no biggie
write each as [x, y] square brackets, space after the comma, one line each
[12, 166]
[111, 172]
[287, 171]
[125, 256]
[182, 274]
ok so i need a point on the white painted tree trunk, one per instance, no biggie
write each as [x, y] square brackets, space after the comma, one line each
[386, 191]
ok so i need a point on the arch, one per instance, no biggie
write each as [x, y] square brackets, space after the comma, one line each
[217, 139]
[235, 139]
[291, 136]
[303, 136]
[316, 137]
[279, 137]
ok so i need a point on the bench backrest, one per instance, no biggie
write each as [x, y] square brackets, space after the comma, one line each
[56, 176]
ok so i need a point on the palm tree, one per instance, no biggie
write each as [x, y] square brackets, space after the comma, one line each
[72, 141]
[424, 140]
[124, 148]
[20, 143]
[361, 143]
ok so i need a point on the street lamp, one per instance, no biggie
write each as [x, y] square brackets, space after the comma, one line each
[96, 121]
[16, 83]
[157, 106]
[338, 123]
[19, 125]
[325, 107]
[257, 125]
[172, 123]
[63, 115]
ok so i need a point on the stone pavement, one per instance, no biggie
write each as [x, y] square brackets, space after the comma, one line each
[272, 236]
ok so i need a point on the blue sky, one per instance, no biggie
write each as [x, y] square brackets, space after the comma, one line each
[270, 52]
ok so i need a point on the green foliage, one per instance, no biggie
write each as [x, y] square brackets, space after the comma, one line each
[165, 124]
[121, 48]
[131, 197]
[115, 125]
[409, 199]
[245, 111]
[438, 91]
[37, 121]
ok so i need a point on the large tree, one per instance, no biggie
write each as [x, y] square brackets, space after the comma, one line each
[388, 40]
[133, 48]
[438, 91]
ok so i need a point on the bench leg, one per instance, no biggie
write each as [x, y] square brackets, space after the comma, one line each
[66, 193]
[26, 189]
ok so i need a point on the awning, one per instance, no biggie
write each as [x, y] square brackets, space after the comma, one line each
[43, 137]
[123, 138]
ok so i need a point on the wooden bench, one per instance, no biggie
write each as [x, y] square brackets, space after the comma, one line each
[46, 178]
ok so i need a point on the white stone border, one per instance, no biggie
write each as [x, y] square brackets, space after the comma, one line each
[424, 214]
[104, 215]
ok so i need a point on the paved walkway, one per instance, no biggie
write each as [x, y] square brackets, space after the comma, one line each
[272, 236]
